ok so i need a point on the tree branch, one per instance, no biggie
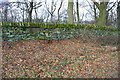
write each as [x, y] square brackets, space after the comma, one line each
[111, 7]
[96, 3]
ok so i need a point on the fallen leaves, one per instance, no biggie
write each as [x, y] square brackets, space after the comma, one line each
[64, 59]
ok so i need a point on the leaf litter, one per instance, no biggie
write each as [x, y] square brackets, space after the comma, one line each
[71, 58]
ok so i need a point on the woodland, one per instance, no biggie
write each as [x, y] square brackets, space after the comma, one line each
[60, 39]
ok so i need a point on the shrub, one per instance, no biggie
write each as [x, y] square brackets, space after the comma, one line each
[58, 25]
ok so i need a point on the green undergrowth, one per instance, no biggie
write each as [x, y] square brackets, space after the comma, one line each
[13, 31]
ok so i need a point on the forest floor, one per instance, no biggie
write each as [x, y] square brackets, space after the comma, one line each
[70, 58]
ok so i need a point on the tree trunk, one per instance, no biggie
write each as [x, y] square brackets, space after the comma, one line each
[102, 19]
[77, 7]
[103, 12]
[118, 14]
[70, 11]
[52, 11]
[118, 24]
[30, 17]
[36, 16]
[95, 13]
[6, 14]
[51, 18]
[59, 10]
[23, 15]
[30, 11]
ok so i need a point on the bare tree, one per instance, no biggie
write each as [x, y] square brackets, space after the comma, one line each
[29, 7]
[5, 8]
[102, 6]
[52, 9]
[59, 10]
